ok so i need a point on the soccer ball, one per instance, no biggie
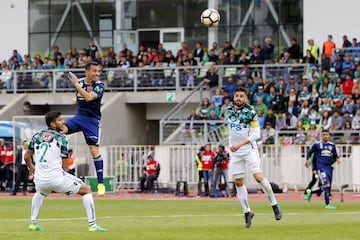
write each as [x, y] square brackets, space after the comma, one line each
[210, 17]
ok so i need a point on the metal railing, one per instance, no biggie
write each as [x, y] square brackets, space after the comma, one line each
[178, 164]
[353, 52]
[169, 127]
[294, 137]
[146, 78]
[216, 132]
[172, 126]
[204, 131]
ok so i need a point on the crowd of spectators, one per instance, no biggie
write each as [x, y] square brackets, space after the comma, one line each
[326, 96]
[73, 59]
[146, 56]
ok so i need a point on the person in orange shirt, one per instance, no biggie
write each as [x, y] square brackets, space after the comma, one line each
[328, 47]
[71, 162]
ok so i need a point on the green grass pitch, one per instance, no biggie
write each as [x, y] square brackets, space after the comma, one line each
[179, 219]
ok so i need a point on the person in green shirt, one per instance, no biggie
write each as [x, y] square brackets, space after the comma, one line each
[261, 106]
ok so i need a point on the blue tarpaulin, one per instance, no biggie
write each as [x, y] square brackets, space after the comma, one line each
[6, 131]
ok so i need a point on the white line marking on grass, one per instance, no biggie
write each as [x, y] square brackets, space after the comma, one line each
[182, 216]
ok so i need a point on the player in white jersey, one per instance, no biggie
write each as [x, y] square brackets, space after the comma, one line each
[48, 150]
[244, 130]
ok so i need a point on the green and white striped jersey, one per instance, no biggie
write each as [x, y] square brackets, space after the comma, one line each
[49, 147]
[243, 124]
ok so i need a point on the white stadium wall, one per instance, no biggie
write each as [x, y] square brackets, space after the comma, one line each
[14, 27]
[324, 17]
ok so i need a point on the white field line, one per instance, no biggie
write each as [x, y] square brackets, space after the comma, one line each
[183, 216]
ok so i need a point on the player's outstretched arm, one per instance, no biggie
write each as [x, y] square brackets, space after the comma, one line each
[88, 96]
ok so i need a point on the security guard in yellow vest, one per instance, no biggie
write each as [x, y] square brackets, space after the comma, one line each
[199, 168]
[314, 49]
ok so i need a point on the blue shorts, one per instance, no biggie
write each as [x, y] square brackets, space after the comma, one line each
[90, 126]
[325, 177]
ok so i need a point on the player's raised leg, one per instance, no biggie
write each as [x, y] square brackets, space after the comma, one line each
[99, 165]
[266, 187]
[253, 160]
[92, 135]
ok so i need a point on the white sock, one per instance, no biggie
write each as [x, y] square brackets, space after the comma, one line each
[266, 187]
[36, 204]
[242, 195]
[89, 206]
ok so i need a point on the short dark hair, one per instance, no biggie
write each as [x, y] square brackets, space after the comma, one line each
[50, 116]
[325, 131]
[89, 64]
[241, 89]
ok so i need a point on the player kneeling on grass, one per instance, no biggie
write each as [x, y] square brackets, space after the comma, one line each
[244, 130]
[48, 149]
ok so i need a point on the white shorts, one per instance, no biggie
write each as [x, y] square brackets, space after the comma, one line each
[65, 183]
[239, 163]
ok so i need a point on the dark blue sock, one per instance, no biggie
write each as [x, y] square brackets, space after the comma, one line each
[327, 195]
[99, 165]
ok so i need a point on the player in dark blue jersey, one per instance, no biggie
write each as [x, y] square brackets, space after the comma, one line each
[326, 155]
[89, 92]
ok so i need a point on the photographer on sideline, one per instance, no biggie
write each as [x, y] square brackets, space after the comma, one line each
[220, 168]
[151, 173]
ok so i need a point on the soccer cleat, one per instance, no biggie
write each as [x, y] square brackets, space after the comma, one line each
[97, 228]
[101, 189]
[248, 219]
[35, 227]
[277, 212]
[308, 195]
[329, 206]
